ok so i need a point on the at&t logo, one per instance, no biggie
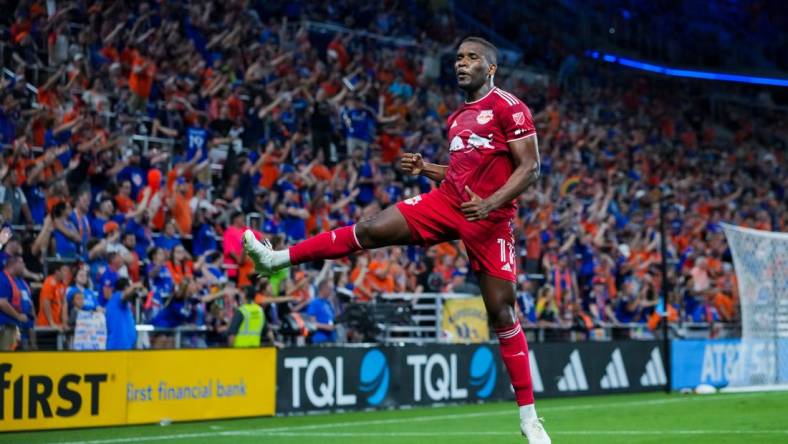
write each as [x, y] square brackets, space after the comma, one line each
[483, 372]
[374, 376]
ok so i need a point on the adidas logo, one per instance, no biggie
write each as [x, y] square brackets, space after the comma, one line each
[574, 378]
[615, 373]
[655, 371]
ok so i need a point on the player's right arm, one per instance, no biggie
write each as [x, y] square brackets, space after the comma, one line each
[414, 164]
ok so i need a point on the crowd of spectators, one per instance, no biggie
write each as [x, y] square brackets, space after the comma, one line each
[256, 119]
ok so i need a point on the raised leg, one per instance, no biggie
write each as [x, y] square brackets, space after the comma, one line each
[384, 229]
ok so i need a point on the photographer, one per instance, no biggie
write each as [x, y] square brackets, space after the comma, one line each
[121, 327]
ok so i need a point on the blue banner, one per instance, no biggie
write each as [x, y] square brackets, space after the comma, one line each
[694, 362]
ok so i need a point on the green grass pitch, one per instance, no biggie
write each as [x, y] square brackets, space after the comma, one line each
[651, 418]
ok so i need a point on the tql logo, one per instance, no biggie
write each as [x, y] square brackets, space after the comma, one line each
[439, 375]
[43, 392]
[324, 380]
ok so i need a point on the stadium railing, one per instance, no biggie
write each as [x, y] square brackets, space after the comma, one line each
[50, 338]
[147, 141]
[425, 325]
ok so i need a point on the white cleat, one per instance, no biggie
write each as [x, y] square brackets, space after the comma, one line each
[534, 431]
[261, 253]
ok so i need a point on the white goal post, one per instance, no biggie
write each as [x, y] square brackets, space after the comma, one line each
[760, 260]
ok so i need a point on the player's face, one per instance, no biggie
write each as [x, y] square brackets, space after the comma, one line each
[472, 67]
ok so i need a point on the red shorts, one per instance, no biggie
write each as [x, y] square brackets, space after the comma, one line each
[433, 218]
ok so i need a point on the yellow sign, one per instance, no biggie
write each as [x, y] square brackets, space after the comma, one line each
[83, 389]
[59, 390]
[465, 320]
[190, 384]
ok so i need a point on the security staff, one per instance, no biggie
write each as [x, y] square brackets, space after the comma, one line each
[247, 324]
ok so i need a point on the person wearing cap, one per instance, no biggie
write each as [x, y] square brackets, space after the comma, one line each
[200, 199]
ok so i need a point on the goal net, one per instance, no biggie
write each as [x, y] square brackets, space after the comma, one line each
[760, 260]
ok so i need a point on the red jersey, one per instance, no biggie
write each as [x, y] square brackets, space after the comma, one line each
[479, 133]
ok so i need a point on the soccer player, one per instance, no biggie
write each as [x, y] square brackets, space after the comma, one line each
[494, 158]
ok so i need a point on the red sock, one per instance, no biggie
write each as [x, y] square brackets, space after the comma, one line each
[514, 352]
[329, 245]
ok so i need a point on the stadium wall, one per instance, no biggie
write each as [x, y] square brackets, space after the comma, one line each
[322, 379]
[86, 389]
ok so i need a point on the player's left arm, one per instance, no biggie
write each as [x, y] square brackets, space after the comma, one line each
[525, 153]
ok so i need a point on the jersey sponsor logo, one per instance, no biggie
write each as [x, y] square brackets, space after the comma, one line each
[474, 141]
[484, 116]
[413, 200]
[456, 144]
[519, 118]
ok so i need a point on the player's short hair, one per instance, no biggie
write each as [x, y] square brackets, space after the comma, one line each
[492, 50]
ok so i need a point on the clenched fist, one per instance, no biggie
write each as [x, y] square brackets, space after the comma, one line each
[412, 163]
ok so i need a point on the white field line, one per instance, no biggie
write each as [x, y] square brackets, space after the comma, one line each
[559, 432]
[333, 425]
